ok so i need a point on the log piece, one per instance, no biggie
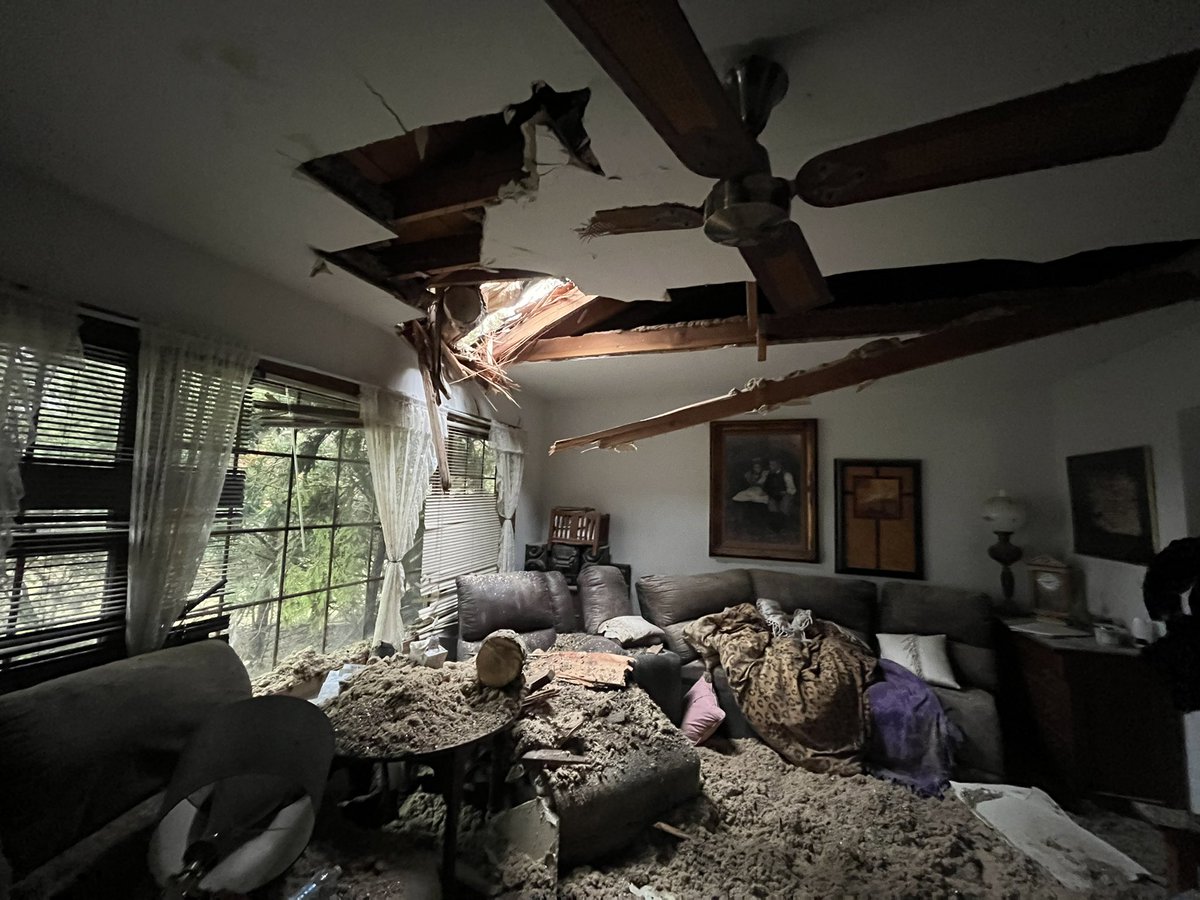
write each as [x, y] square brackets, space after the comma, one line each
[500, 658]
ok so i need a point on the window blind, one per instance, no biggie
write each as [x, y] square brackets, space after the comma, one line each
[62, 597]
[462, 527]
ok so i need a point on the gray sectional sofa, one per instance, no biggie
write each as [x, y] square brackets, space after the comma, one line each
[895, 607]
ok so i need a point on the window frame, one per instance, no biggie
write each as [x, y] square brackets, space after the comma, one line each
[230, 522]
[61, 483]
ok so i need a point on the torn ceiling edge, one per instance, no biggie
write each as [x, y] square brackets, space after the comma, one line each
[1052, 312]
[420, 184]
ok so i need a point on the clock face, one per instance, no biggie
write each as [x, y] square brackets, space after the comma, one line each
[1049, 582]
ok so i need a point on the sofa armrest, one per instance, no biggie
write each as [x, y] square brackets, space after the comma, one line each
[658, 675]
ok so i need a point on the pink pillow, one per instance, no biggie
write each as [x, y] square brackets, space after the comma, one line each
[702, 714]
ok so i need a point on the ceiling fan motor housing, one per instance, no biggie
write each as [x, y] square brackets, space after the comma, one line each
[746, 211]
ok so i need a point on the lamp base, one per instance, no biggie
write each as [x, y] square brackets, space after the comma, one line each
[1005, 552]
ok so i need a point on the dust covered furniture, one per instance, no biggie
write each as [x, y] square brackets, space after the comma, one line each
[965, 617]
[85, 757]
[539, 606]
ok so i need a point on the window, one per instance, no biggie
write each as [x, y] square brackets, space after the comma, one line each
[461, 526]
[298, 537]
[62, 605]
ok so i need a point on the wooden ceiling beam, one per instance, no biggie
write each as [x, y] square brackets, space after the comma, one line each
[667, 339]
[1062, 310]
[816, 325]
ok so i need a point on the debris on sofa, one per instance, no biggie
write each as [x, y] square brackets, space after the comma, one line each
[769, 829]
[596, 670]
[639, 765]
[500, 658]
[394, 707]
[306, 669]
[1036, 825]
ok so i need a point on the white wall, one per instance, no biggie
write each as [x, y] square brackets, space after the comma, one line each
[1133, 399]
[968, 431]
[67, 247]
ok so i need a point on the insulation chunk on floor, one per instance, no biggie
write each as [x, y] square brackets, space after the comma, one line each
[1036, 825]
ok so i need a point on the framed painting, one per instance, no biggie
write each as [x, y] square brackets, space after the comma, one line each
[878, 514]
[762, 500]
[1112, 504]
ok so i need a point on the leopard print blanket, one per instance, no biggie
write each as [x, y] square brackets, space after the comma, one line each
[807, 699]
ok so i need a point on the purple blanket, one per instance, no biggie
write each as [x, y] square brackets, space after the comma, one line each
[912, 742]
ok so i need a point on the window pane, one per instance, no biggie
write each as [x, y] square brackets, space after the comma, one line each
[314, 495]
[302, 623]
[352, 554]
[254, 561]
[347, 615]
[307, 560]
[252, 636]
[212, 569]
[356, 495]
[312, 442]
[266, 490]
[354, 445]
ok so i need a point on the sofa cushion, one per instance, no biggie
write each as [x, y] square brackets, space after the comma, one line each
[603, 595]
[964, 616]
[632, 631]
[848, 601]
[517, 600]
[567, 619]
[670, 599]
[981, 756]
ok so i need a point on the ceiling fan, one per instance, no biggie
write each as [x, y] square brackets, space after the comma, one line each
[648, 48]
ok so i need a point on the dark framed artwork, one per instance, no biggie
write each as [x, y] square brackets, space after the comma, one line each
[1112, 504]
[878, 513]
[762, 500]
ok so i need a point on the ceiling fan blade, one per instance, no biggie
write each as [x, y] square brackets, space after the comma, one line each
[648, 48]
[1109, 115]
[786, 271]
[639, 219]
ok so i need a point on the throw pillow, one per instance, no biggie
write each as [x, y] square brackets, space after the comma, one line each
[922, 654]
[702, 714]
[632, 631]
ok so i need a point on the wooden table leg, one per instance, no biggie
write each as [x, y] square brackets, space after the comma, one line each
[1183, 856]
[453, 794]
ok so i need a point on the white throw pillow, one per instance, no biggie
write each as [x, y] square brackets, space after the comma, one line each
[632, 631]
[922, 654]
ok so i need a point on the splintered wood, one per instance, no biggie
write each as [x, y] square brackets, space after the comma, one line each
[594, 670]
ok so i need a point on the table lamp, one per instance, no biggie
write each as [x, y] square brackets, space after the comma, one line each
[1004, 515]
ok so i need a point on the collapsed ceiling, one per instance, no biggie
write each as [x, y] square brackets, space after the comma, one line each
[432, 188]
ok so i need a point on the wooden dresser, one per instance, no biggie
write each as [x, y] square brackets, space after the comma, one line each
[1103, 721]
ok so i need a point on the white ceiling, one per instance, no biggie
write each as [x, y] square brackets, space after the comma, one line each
[191, 117]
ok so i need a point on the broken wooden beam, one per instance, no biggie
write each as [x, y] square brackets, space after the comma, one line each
[1059, 311]
[510, 345]
[664, 339]
[552, 759]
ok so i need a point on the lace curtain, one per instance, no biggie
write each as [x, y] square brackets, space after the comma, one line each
[400, 451]
[510, 467]
[189, 396]
[35, 336]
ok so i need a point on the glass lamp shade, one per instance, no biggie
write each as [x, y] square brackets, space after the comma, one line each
[1003, 513]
